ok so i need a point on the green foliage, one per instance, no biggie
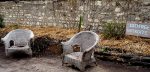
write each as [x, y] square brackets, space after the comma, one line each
[80, 23]
[104, 49]
[2, 25]
[113, 30]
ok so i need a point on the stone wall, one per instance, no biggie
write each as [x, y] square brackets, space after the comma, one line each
[67, 14]
[38, 13]
[29, 13]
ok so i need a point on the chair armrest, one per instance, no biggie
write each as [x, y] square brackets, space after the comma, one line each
[30, 41]
[65, 43]
[87, 54]
[67, 48]
[6, 43]
[6, 40]
[2, 39]
[31, 34]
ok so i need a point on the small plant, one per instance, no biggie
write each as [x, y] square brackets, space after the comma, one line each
[2, 25]
[80, 23]
[104, 50]
[113, 30]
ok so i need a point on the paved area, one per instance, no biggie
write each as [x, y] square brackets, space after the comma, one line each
[53, 64]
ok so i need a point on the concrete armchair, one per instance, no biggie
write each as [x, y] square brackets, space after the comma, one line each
[87, 40]
[18, 40]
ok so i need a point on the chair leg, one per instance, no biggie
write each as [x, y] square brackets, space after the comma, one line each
[62, 56]
[66, 64]
[95, 63]
[7, 54]
[63, 60]
[29, 52]
[30, 55]
[82, 69]
[63, 63]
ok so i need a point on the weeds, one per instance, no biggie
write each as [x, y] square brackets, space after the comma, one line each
[2, 25]
[113, 30]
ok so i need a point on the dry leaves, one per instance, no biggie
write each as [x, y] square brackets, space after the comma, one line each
[129, 43]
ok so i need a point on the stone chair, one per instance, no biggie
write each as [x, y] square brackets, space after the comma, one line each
[18, 40]
[87, 40]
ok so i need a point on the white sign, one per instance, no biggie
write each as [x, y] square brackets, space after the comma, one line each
[138, 29]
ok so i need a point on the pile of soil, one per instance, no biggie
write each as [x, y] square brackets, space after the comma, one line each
[44, 45]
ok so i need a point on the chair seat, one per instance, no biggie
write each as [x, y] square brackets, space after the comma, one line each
[75, 56]
[25, 49]
[18, 48]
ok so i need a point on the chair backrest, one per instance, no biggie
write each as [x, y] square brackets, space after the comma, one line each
[20, 37]
[85, 39]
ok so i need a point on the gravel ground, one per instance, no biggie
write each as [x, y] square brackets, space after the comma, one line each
[53, 64]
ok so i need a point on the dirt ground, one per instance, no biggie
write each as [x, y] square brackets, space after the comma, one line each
[53, 64]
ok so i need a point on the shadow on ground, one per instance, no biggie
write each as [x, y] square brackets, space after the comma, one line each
[19, 55]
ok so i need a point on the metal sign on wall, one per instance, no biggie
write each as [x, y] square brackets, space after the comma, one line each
[138, 29]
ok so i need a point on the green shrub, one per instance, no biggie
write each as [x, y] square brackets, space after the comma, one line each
[2, 25]
[113, 30]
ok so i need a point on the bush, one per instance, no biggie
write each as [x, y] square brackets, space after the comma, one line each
[113, 30]
[2, 21]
